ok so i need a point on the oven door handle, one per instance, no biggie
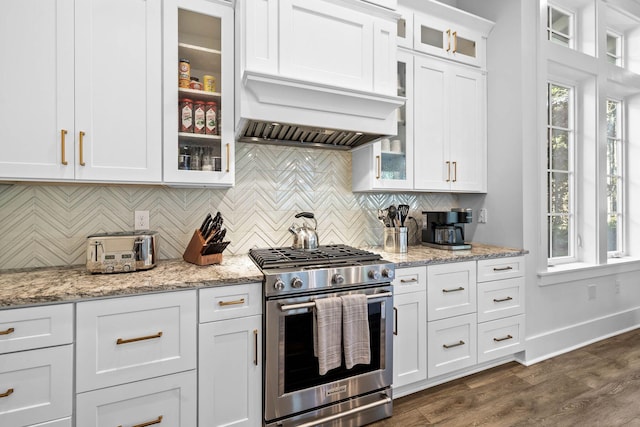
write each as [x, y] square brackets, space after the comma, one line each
[352, 411]
[287, 307]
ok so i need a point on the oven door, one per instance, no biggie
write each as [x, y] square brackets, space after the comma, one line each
[293, 383]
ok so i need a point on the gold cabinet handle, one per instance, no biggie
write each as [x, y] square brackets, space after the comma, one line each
[453, 290]
[502, 299]
[503, 268]
[408, 280]
[63, 134]
[130, 340]
[6, 393]
[455, 171]
[378, 167]
[448, 171]
[81, 144]
[148, 423]
[228, 158]
[508, 337]
[234, 302]
[448, 40]
[255, 342]
[395, 321]
[455, 41]
[453, 345]
[7, 331]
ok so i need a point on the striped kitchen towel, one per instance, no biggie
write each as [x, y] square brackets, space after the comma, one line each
[327, 333]
[355, 330]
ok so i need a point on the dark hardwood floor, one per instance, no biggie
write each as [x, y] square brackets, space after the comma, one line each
[598, 385]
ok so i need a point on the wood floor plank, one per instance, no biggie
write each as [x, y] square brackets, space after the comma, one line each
[594, 386]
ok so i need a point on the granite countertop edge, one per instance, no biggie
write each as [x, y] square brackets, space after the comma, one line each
[68, 284]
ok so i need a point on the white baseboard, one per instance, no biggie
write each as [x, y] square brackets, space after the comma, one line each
[553, 343]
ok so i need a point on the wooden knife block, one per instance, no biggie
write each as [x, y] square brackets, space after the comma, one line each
[193, 252]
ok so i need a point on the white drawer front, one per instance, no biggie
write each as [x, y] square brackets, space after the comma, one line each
[171, 400]
[451, 290]
[501, 298]
[500, 338]
[500, 268]
[228, 302]
[412, 279]
[128, 339]
[451, 344]
[35, 327]
[36, 385]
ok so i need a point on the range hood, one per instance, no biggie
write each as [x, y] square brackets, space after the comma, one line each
[287, 111]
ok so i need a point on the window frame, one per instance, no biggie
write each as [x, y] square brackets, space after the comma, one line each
[572, 172]
[621, 180]
[619, 57]
[571, 36]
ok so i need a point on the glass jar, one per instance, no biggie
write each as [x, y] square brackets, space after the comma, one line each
[211, 118]
[198, 117]
[185, 115]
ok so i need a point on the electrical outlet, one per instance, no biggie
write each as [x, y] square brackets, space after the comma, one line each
[141, 220]
[482, 218]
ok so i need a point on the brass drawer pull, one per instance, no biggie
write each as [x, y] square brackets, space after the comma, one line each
[408, 280]
[448, 172]
[148, 337]
[455, 41]
[6, 393]
[235, 302]
[149, 423]
[453, 345]
[508, 337]
[453, 290]
[63, 150]
[448, 40]
[503, 268]
[7, 331]
[455, 171]
[81, 145]
[378, 167]
[502, 299]
[228, 158]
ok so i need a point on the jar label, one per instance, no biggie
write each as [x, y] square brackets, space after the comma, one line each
[199, 119]
[187, 118]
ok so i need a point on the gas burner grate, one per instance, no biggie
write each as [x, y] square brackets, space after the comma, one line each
[287, 257]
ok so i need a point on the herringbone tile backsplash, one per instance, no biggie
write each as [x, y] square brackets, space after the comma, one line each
[47, 225]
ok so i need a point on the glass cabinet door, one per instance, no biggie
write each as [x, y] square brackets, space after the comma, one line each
[394, 155]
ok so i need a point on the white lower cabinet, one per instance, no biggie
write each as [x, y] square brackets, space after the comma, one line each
[230, 356]
[501, 337]
[451, 289]
[452, 344]
[169, 400]
[410, 326]
[36, 386]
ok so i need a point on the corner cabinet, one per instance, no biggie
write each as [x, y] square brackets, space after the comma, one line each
[89, 109]
[387, 164]
[198, 138]
[451, 127]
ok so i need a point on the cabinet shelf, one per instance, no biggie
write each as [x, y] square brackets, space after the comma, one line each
[203, 60]
[186, 136]
[200, 94]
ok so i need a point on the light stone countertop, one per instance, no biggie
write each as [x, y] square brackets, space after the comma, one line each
[69, 284]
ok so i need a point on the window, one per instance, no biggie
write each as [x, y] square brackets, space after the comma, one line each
[560, 173]
[615, 183]
[560, 26]
[614, 48]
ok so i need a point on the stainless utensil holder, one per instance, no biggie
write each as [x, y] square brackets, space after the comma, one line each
[395, 239]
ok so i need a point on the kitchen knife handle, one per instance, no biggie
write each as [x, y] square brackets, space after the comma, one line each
[378, 167]
[7, 331]
[63, 134]
[149, 423]
[448, 171]
[228, 157]
[81, 145]
[130, 340]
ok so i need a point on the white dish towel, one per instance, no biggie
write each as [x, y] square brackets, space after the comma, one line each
[355, 330]
[327, 333]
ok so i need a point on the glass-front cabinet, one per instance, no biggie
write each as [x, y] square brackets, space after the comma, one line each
[388, 162]
[198, 93]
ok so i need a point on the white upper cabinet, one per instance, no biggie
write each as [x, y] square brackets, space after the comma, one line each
[198, 121]
[343, 43]
[90, 105]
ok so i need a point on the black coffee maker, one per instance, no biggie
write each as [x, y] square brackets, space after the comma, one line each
[445, 229]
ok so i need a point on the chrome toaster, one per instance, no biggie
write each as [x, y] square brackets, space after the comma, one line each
[122, 252]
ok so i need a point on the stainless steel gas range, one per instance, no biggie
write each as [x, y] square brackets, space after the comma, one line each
[295, 393]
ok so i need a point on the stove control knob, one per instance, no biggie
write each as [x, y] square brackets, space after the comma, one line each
[374, 274]
[296, 283]
[388, 273]
[337, 279]
[278, 285]
[126, 267]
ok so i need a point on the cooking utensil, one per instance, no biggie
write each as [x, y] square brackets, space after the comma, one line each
[393, 215]
[305, 237]
[403, 211]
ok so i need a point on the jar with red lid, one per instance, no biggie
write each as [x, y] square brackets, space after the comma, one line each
[198, 117]
[185, 115]
[211, 117]
[195, 84]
